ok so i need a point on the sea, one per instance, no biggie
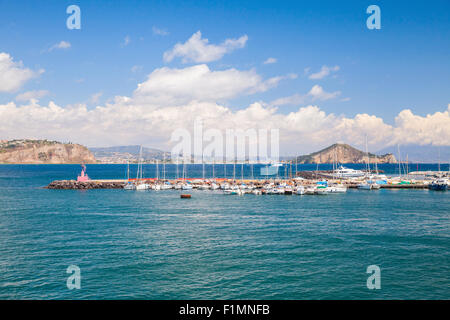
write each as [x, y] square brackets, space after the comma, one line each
[154, 245]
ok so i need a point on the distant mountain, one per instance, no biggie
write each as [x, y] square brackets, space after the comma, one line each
[343, 153]
[26, 151]
[423, 154]
[121, 154]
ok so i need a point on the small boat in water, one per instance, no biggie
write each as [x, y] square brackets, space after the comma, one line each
[186, 186]
[338, 188]
[300, 190]
[142, 186]
[310, 190]
[129, 186]
[364, 186]
[439, 185]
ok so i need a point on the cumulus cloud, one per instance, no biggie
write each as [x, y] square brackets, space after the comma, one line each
[126, 121]
[60, 45]
[316, 93]
[199, 50]
[324, 72]
[431, 129]
[175, 86]
[171, 99]
[32, 95]
[13, 75]
[270, 61]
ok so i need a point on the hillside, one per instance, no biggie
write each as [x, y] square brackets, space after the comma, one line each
[423, 154]
[343, 153]
[122, 154]
[43, 152]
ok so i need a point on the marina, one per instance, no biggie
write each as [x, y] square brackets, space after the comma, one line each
[304, 182]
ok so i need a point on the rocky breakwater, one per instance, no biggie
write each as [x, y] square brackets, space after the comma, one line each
[78, 185]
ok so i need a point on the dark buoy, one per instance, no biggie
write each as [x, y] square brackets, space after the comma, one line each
[185, 196]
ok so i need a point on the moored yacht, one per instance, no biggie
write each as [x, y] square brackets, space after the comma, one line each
[343, 172]
[439, 185]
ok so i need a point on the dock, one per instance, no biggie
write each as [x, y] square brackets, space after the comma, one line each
[120, 183]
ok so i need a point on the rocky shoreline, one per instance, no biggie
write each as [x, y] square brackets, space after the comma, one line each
[77, 185]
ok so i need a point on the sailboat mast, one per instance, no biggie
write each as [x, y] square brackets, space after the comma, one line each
[157, 169]
[439, 160]
[128, 170]
[203, 168]
[368, 158]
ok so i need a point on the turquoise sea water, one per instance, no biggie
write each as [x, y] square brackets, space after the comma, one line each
[154, 245]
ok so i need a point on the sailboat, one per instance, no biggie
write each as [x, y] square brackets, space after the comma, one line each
[141, 185]
[442, 183]
[365, 185]
[129, 185]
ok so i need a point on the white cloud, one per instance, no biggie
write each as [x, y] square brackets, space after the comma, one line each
[324, 72]
[199, 50]
[32, 95]
[270, 61]
[317, 93]
[175, 86]
[127, 121]
[60, 45]
[13, 75]
[159, 32]
[173, 98]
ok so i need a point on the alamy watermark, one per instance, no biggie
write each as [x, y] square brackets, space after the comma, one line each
[74, 280]
[74, 20]
[374, 20]
[374, 280]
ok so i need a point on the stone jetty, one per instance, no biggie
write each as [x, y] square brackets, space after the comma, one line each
[82, 185]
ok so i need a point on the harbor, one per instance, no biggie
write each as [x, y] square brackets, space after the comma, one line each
[300, 182]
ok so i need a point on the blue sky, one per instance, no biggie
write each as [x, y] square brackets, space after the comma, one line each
[405, 65]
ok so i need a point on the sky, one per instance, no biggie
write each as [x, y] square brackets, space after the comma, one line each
[138, 70]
